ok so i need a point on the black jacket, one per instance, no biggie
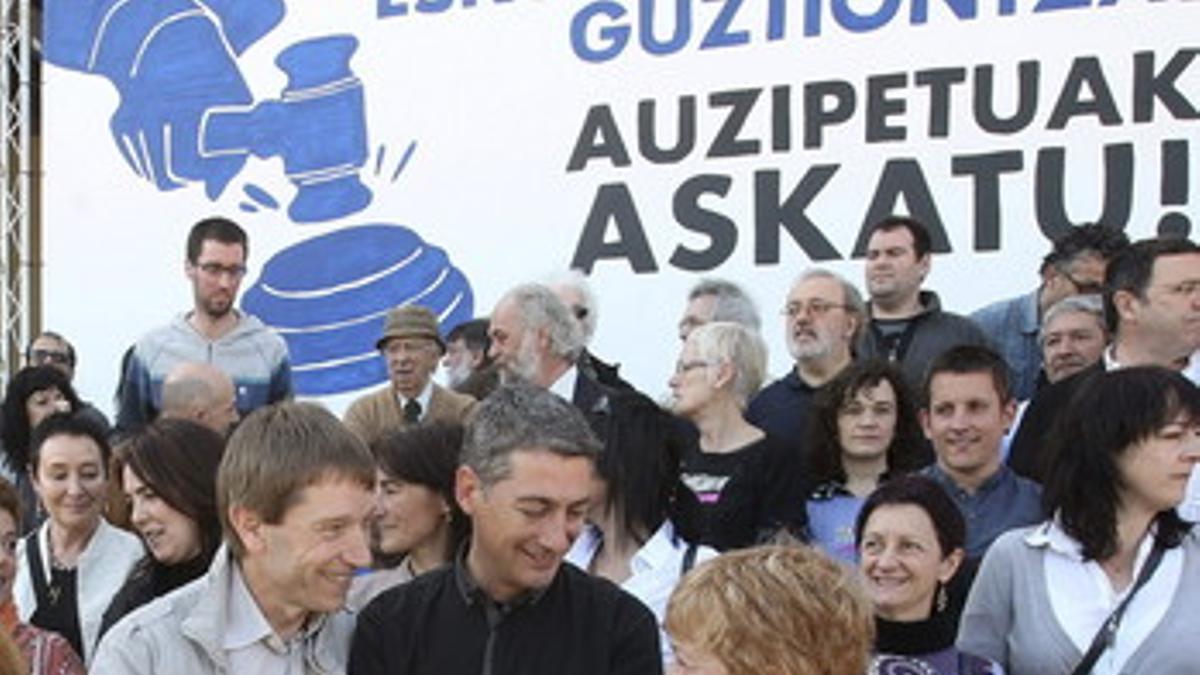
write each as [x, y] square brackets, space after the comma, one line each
[440, 624]
[1027, 455]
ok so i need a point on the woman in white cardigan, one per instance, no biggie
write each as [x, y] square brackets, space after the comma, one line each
[70, 567]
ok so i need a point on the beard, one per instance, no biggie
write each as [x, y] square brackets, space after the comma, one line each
[457, 374]
[815, 347]
[215, 305]
[524, 365]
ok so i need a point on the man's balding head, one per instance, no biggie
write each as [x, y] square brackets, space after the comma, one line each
[202, 393]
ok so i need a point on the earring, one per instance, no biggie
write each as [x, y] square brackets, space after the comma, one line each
[942, 598]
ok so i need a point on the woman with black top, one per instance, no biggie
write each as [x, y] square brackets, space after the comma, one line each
[33, 394]
[743, 485]
[168, 472]
[910, 538]
[70, 567]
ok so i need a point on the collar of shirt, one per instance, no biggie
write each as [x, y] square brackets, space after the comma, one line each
[245, 624]
[422, 398]
[564, 386]
[1081, 595]
[474, 594]
[1002, 476]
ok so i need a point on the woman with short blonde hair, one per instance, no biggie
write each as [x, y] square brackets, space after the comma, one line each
[771, 610]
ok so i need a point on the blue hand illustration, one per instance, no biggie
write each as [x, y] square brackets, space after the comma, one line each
[172, 61]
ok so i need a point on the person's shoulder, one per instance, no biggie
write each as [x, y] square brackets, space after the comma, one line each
[153, 341]
[457, 401]
[996, 313]
[1015, 543]
[160, 620]
[401, 602]
[252, 327]
[602, 592]
[370, 399]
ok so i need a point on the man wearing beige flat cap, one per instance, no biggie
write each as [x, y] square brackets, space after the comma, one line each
[411, 346]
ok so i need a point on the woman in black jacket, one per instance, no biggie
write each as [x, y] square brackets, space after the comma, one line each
[168, 472]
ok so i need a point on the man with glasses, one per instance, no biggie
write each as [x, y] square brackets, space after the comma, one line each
[212, 332]
[1074, 266]
[822, 318]
[411, 346]
[906, 324]
[52, 349]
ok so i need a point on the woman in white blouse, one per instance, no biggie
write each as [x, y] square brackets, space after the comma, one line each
[70, 567]
[1119, 466]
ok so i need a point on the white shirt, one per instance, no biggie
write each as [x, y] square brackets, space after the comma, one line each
[564, 386]
[1082, 596]
[422, 398]
[655, 569]
[250, 643]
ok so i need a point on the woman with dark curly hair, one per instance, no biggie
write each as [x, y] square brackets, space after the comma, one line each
[863, 429]
[1109, 584]
[168, 472]
[33, 394]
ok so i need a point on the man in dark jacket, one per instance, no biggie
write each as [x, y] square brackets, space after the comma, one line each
[507, 605]
[906, 324]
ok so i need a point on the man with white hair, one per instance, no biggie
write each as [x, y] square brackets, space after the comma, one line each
[822, 318]
[573, 290]
[535, 339]
[1073, 336]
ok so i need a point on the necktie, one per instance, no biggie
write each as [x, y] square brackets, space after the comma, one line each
[412, 411]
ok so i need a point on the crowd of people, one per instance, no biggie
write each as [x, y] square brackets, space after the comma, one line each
[922, 492]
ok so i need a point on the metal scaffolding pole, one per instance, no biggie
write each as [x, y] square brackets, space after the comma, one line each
[16, 257]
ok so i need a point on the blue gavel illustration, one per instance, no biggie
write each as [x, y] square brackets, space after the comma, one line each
[317, 126]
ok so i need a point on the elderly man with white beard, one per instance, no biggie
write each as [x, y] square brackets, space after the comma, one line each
[823, 315]
[535, 339]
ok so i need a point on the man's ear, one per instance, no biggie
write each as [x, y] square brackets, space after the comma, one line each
[923, 415]
[1124, 302]
[467, 489]
[249, 528]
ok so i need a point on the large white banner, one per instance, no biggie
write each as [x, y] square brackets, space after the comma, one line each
[441, 151]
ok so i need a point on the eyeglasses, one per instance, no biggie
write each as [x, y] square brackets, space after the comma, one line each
[682, 367]
[213, 269]
[44, 355]
[1083, 287]
[814, 307]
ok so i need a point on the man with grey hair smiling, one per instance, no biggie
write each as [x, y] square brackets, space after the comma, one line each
[507, 604]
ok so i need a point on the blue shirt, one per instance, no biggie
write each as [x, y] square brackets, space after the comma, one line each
[832, 511]
[1003, 502]
[1012, 329]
